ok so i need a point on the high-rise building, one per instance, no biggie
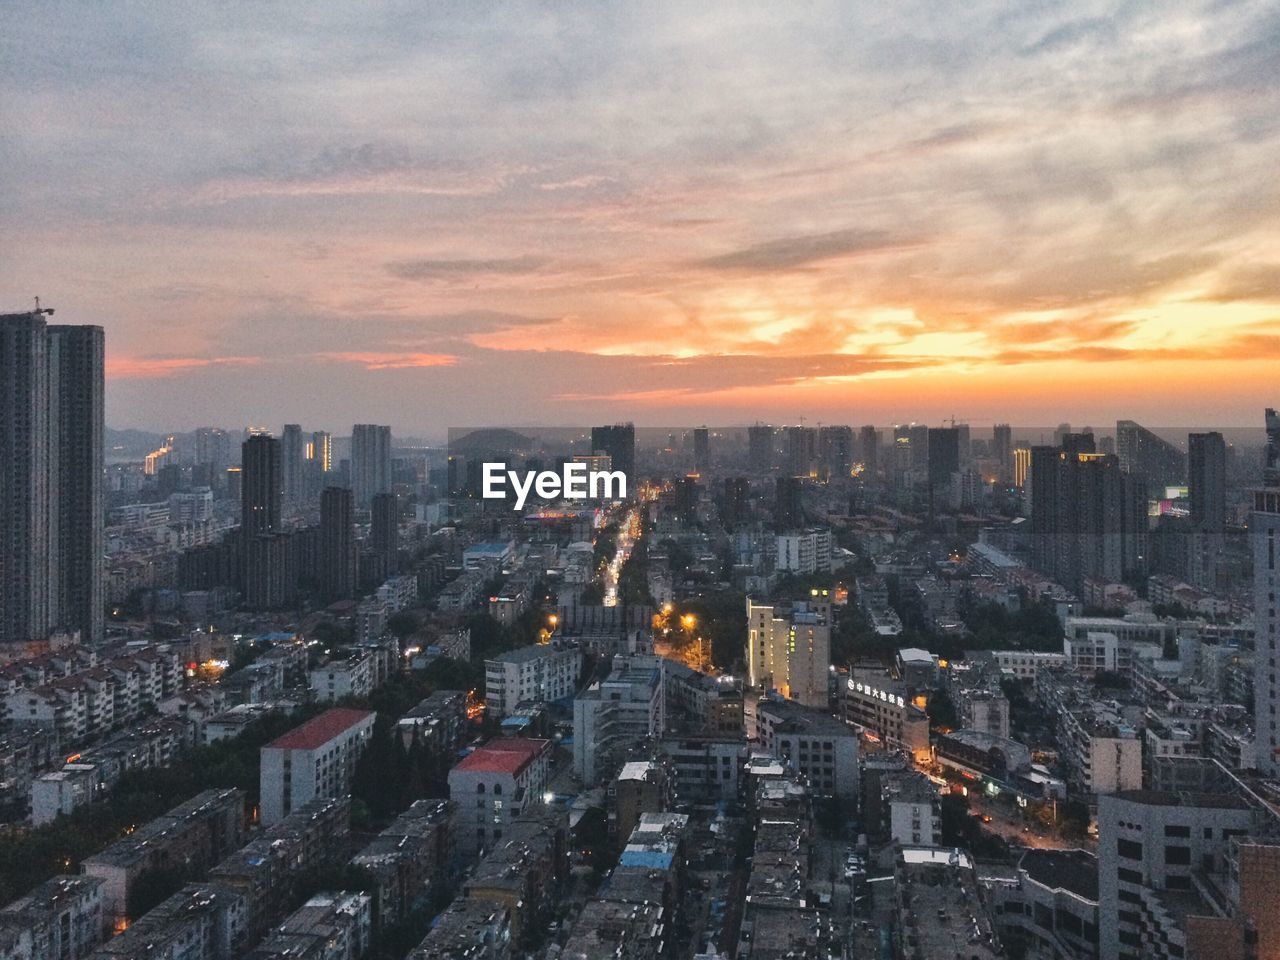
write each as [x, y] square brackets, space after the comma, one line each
[260, 486]
[802, 451]
[213, 447]
[1207, 481]
[51, 467]
[1021, 466]
[1143, 453]
[760, 447]
[320, 451]
[835, 451]
[337, 544]
[701, 449]
[1002, 450]
[370, 462]
[291, 460]
[737, 499]
[384, 531]
[1088, 517]
[944, 455]
[789, 649]
[788, 502]
[619, 442]
[1271, 459]
[869, 451]
[1264, 527]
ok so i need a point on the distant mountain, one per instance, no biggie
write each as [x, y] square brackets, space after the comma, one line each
[491, 440]
[129, 443]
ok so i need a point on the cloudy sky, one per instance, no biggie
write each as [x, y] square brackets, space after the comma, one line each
[459, 213]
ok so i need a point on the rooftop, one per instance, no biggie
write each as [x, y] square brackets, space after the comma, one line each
[1075, 871]
[505, 755]
[318, 731]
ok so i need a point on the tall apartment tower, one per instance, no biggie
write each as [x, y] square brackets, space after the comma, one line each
[1264, 527]
[291, 463]
[701, 449]
[619, 442]
[337, 543]
[384, 531]
[51, 519]
[760, 447]
[370, 462]
[869, 451]
[1002, 448]
[260, 485]
[321, 450]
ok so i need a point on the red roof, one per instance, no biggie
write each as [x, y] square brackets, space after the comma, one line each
[503, 755]
[318, 731]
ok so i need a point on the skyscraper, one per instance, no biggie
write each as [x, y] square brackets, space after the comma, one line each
[1002, 448]
[869, 451]
[760, 447]
[701, 449]
[260, 486]
[51, 521]
[1088, 517]
[384, 531]
[291, 460]
[321, 450]
[1207, 481]
[1264, 527]
[944, 455]
[337, 549]
[835, 450]
[213, 447]
[370, 462]
[802, 450]
[1142, 452]
[619, 442]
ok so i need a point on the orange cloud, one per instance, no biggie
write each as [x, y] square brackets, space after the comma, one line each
[149, 368]
[390, 361]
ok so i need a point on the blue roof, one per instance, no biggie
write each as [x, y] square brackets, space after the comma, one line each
[648, 859]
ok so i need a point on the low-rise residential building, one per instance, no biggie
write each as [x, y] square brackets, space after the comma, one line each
[940, 908]
[329, 926]
[493, 785]
[804, 552]
[812, 743]
[201, 921]
[1049, 908]
[438, 723]
[408, 857]
[542, 673]
[61, 919]
[468, 930]
[316, 759]
[188, 839]
[912, 808]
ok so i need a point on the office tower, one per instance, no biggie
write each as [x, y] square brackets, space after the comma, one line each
[788, 507]
[1088, 517]
[1062, 431]
[321, 450]
[1271, 458]
[337, 543]
[1207, 481]
[760, 447]
[51, 508]
[370, 462]
[869, 451]
[619, 442]
[291, 459]
[1142, 452]
[260, 486]
[1002, 450]
[213, 447]
[835, 451]
[384, 531]
[737, 498]
[701, 450]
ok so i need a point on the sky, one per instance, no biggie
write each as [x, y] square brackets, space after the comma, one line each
[453, 214]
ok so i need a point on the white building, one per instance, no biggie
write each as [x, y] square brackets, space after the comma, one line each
[62, 791]
[614, 714]
[314, 760]
[541, 673]
[61, 918]
[495, 784]
[912, 808]
[789, 649]
[804, 552]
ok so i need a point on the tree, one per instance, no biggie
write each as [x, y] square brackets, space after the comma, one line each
[403, 624]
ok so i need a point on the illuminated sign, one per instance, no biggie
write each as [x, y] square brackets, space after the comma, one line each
[876, 694]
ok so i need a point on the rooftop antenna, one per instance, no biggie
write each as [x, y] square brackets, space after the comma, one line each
[47, 311]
